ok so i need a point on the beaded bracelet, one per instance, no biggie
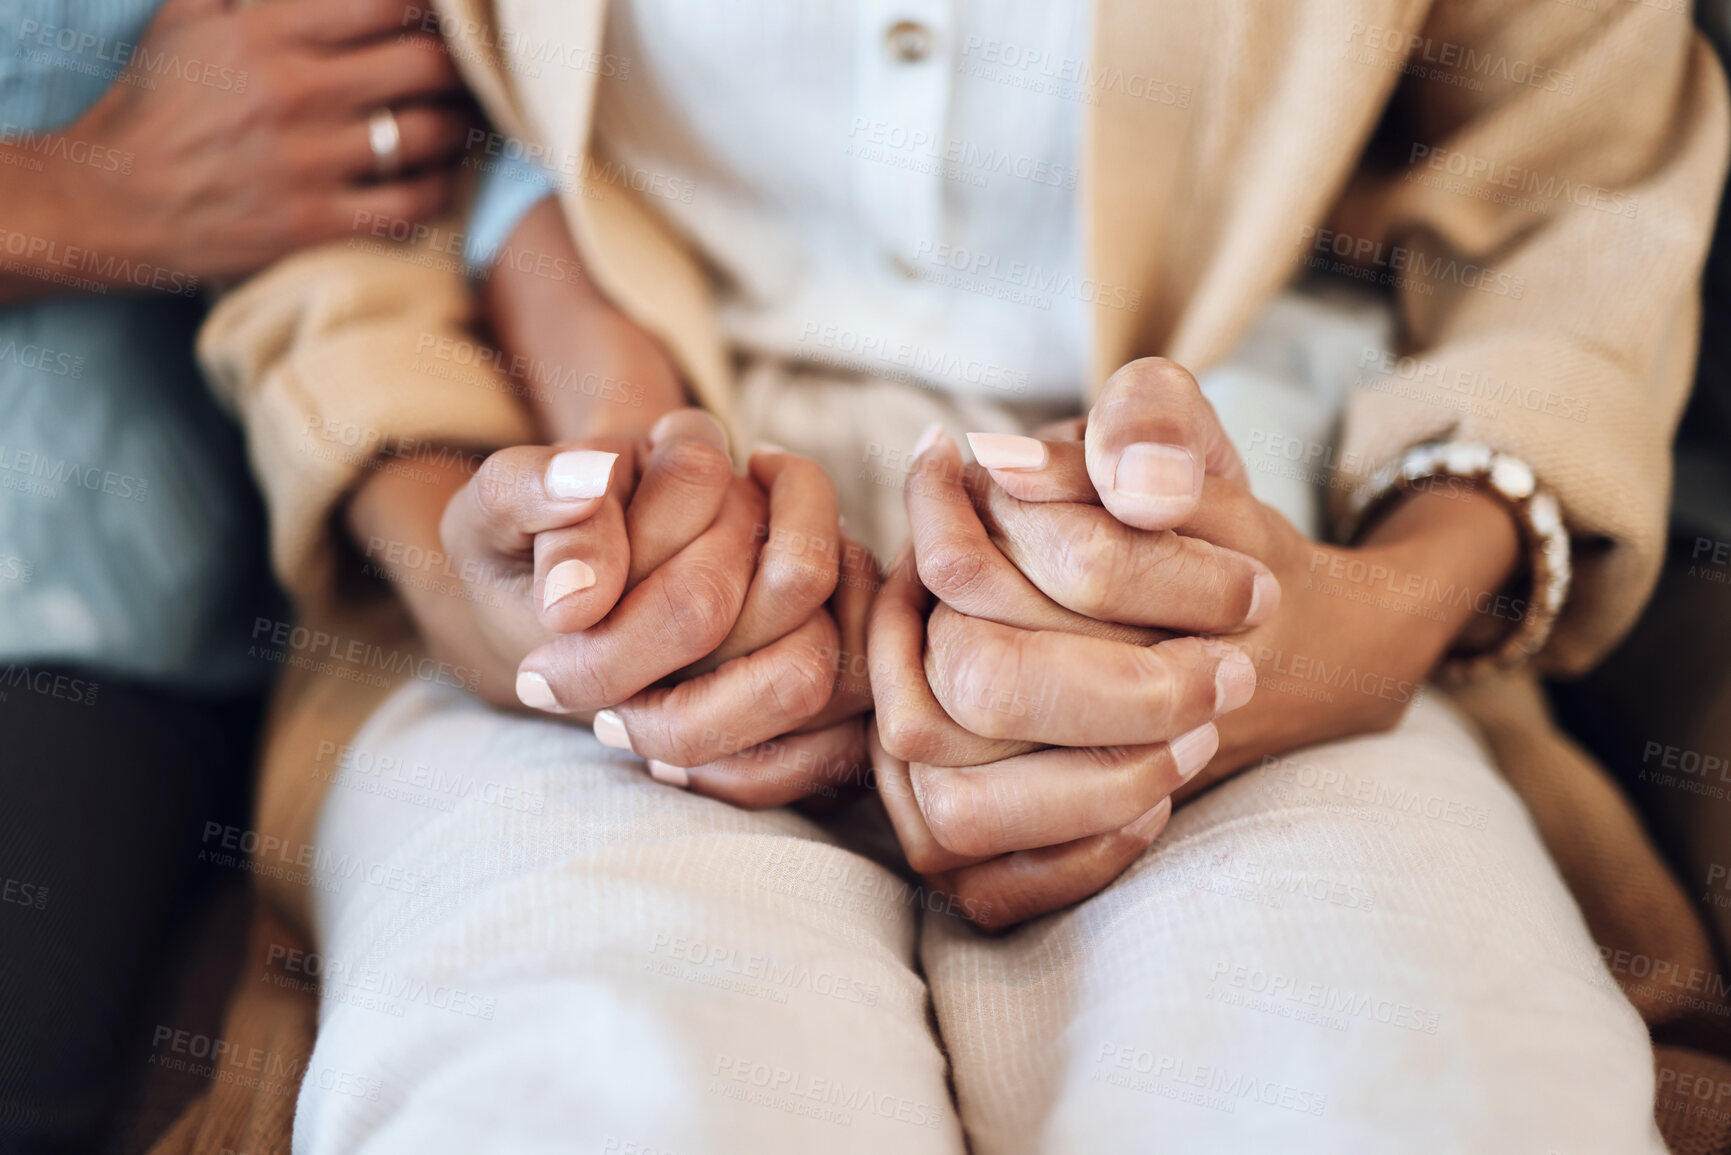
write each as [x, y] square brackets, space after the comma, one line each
[1536, 513]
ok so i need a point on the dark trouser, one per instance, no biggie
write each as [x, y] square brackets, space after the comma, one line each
[104, 791]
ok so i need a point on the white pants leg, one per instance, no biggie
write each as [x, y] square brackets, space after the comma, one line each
[1361, 947]
[528, 945]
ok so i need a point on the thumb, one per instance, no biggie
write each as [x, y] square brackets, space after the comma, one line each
[1150, 440]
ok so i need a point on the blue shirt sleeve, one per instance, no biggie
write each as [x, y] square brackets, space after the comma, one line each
[508, 190]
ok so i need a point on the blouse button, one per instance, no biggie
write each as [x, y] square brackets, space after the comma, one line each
[909, 41]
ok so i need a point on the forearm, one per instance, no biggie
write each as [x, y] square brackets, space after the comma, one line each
[1369, 624]
[50, 226]
[394, 515]
[592, 371]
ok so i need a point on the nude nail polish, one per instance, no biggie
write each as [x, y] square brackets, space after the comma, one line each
[566, 578]
[1264, 598]
[1234, 682]
[929, 438]
[534, 692]
[1007, 451]
[1192, 750]
[1148, 469]
[610, 731]
[1150, 823]
[579, 473]
[672, 775]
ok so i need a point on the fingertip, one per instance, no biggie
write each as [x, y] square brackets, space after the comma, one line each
[668, 773]
[535, 692]
[697, 424]
[1008, 451]
[579, 474]
[1264, 598]
[1234, 681]
[933, 437]
[1153, 486]
[565, 579]
[1148, 827]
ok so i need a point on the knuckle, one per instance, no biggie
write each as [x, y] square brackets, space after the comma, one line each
[1085, 565]
[925, 858]
[992, 906]
[949, 811]
[700, 607]
[951, 571]
[1159, 683]
[906, 734]
[800, 687]
[986, 679]
[802, 582]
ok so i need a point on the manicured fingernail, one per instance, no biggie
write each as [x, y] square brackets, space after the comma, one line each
[610, 731]
[565, 579]
[1150, 823]
[694, 423]
[534, 692]
[579, 473]
[672, 775]
[929, 438]
[1192, 750]
[1234, 681]
[1156, 472]
[769, 447]
[1007, 451]
[1264, 598]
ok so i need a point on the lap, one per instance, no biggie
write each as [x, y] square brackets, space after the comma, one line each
[1359, 940]
[528, 942]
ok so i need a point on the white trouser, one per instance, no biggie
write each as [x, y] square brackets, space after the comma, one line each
[529, 945]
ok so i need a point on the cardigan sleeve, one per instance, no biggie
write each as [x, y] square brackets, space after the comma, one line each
[1540, 195]
[351, 357]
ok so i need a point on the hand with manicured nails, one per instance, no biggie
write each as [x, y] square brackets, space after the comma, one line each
[1035, 724]
[705, 621]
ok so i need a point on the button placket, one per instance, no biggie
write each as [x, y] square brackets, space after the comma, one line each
[900, 125]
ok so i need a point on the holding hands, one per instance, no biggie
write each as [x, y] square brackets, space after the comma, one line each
[1035, 724]
[694, 615]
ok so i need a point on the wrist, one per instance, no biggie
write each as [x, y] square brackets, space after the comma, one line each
[1449, 553]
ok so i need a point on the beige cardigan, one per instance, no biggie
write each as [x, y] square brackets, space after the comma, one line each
[1225, 148]
[1565, 320]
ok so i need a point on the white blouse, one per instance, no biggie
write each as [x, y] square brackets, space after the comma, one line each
[881, 186]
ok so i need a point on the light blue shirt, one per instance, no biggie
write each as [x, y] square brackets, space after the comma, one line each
[131, 538]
